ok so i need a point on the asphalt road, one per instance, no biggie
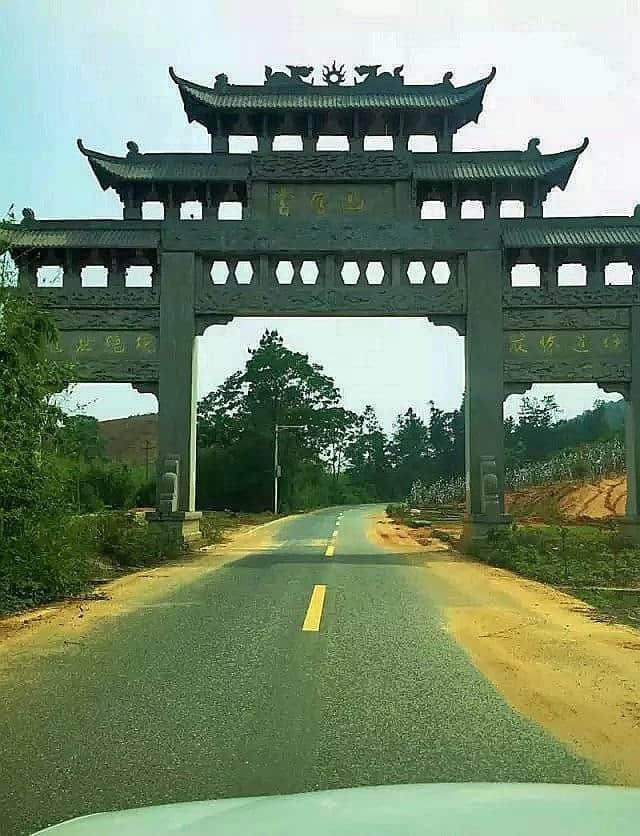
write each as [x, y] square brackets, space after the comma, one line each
[218, 691]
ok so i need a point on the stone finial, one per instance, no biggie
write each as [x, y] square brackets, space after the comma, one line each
[132, 149]
[221, 80]
[446, 78]
[168, 487]
[636, 211]
[533, 146]
[28, 215]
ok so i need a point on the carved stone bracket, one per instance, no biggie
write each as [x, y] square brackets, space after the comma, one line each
[516, 389]
[620, 387]
[458, 323]
[146, 388]
[203, 321]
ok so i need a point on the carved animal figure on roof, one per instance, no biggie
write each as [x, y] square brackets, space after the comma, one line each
[370, 73]
[298, 74]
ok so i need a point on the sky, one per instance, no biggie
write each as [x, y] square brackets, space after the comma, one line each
[82, 68]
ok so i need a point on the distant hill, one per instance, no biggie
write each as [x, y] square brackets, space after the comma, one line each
[133, 440]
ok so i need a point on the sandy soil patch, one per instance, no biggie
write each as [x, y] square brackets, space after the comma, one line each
[386, 533]
[55, 628]
[577, 678]
[600, 500]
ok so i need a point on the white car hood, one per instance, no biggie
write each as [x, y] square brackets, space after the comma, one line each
[495, 809]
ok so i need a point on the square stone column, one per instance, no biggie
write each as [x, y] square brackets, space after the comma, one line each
[177, 396]
[484, 393]
[631, 520]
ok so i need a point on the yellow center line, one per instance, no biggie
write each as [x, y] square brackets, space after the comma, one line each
[330, 550]
[314, 610]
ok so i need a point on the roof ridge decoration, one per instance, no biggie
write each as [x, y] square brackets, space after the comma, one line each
[333, 76]
[374, 78]
[280, 79]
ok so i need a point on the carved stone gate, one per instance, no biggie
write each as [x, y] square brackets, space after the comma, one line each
[341, 234]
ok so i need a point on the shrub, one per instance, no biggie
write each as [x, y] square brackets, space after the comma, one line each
[43, 557]
[127, 542]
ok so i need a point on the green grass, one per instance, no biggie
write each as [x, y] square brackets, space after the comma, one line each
[575, 558]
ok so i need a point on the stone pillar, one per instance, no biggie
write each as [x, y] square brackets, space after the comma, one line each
[631, 519]
[177, 400]
[484, 431]
[219, 143]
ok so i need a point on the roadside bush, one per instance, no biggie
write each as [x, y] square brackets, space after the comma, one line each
[127, 542]
[575, 556]
[113, 483]
[43, 557]
[146, 495]
[397, 512]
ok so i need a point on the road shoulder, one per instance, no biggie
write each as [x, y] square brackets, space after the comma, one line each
[53, 627]
[541, 648]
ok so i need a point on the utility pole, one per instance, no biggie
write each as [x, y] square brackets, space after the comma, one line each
[277, 471]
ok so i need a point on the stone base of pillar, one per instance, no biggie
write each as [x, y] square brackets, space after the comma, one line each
[630, 528]
[475, 530]
[185, 525]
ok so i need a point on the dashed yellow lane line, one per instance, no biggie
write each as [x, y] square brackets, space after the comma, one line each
[311, 622]
[331, 546]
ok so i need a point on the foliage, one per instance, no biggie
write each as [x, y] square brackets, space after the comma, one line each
[577, 557]
[236, 427]
[125, 541]
[43, 557]
[590, 462]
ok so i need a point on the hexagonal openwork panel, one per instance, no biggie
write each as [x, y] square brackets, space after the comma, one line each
[309, 272]
[219, 272]
[441, 272]
[350, 272]
[375, 272]
[244, 272]
[284, 272]
[416, 272]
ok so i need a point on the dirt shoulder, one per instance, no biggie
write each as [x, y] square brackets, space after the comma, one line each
[604, 499]
[577, 678]
[56, 626]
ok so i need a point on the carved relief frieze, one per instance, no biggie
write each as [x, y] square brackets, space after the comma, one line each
[583, 297]
[98, 297]
[569, 318]
[106, 319]
[339, 300]
[565, 371]
[328, 165]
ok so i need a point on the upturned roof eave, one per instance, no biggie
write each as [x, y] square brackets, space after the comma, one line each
[192, 95]
[560, 165]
